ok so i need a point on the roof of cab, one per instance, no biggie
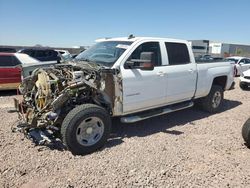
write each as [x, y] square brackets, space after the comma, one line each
[133, 39]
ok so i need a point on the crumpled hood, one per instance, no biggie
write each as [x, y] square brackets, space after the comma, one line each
[28, 68]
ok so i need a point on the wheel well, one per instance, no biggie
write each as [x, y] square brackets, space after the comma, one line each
[221, 81]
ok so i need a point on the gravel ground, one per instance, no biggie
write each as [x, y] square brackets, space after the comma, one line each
[189, 148]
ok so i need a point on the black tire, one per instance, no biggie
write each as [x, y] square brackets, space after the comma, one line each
[207, 102]
[74, 119]
[246, 132]
[244, 86]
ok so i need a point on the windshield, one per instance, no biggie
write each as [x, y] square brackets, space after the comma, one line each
[104, 53]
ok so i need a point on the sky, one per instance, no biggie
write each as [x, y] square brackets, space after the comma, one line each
[67, 23]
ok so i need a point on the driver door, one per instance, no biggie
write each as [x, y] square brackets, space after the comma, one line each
[143, 89]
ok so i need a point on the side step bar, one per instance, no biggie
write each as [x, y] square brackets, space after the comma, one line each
[156, 112]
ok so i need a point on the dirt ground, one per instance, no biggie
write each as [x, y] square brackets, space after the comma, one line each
[189, 148]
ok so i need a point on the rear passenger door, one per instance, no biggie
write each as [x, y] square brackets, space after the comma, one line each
[181, 73]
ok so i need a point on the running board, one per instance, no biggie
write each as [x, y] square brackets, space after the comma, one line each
[156, 112]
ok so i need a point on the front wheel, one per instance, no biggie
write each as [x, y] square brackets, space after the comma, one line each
[85, 129]
[213, 101]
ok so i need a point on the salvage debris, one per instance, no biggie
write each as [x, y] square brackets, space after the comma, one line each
[49, 94]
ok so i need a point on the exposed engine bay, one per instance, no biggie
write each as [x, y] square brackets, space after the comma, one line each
[50, 93]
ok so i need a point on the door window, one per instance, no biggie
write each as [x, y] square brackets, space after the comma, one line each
[177, 53]
[247, 61]
[242, 61]
[148, 47]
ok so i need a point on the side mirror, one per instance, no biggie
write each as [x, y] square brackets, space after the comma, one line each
[241, 63]
[146, 62]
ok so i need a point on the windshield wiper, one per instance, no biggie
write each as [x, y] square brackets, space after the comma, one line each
[84, 59]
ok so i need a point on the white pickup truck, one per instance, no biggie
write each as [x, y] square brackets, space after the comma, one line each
[133, 78]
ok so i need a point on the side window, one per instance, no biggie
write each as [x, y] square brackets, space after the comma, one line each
[247, 61]
[243, 61]
[48, 53]
[148, 47]
[6, 61]
[29, 52]
[177, 53]
[40, 53]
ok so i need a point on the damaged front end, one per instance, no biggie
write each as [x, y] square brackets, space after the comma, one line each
[50, 93]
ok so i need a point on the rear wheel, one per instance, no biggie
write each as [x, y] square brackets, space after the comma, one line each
[85, 129]
[246, 132]
[213, 101]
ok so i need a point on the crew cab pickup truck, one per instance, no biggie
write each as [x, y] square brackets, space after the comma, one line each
[132, 78]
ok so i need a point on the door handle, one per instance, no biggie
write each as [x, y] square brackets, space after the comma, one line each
[191, 71]
[160, 73]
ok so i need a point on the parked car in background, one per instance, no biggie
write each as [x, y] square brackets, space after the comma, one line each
[241, 64]
[10, 71]
[65, 54]
[205, 57]
[42, 54]
[15, 66]
[208, 58]
[245, 80]
[10, 50]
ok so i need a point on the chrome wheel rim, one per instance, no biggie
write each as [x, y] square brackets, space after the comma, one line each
[90, 131]
[216, 99]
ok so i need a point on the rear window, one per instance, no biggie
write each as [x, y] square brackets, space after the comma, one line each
[177, 53]
[8, 61]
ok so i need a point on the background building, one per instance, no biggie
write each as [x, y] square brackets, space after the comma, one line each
[218, 49]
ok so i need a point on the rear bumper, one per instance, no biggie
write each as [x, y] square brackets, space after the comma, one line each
[9, 86]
